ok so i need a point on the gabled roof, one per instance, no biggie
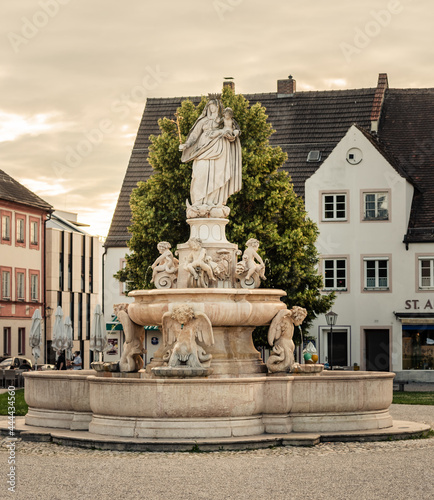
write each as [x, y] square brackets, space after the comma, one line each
[379, 145]
[12, 190]
[407, 131]
[304, 122]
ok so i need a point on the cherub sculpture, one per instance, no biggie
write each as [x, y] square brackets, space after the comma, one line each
[182, 327]
[231, 129]
[251, 269]
[198, 265]
[131, 360]
[280, 334]
[165, 268]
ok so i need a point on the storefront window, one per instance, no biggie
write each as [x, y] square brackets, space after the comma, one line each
[418, 347]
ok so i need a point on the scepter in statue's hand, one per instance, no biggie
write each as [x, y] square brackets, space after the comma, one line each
[178, 118]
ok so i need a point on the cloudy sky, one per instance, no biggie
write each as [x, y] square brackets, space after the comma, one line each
[75, 74]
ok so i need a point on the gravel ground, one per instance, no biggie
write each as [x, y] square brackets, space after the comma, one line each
[384, 470]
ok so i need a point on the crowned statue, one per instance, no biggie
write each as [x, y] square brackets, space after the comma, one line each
[213, 144]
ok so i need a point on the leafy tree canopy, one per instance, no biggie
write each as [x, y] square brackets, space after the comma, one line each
[266, 208]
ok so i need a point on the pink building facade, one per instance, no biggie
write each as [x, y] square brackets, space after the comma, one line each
[22, 264]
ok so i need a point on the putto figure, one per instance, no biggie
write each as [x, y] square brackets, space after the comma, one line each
[198, 265]
[280, 336]
[231, 129]
[214, 146]
[251, 269]
[182, 327]
[165, 268]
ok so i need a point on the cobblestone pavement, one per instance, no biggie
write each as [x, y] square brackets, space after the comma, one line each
[382, 470]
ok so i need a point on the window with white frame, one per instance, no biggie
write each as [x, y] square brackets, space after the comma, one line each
[20, 230]
[34, 287]
[335, 274]
[426, 272]
[6, 285]
[6, 227]
[20, 286]
[376, 273]
[334, 207]
[34, 232]
[376, 206]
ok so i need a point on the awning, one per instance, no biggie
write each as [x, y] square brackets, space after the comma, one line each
[414, 318]
[419, 326]
[116, 326]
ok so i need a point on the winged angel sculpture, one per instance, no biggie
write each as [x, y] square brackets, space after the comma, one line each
[280, 334]
[182, 327]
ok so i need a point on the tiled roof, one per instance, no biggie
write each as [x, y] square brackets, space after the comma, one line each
[11, 190]
[304, 122]
[407, 131]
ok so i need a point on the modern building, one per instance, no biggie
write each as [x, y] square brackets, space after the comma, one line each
[22, 264]
[362, 159]
[73, 263]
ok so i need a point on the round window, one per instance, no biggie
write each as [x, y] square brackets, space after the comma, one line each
[354, 156]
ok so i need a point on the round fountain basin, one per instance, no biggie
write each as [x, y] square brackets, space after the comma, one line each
[143, 407]
[223, 306]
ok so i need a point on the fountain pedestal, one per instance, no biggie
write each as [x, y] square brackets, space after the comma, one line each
[212, 234]
[234, 313]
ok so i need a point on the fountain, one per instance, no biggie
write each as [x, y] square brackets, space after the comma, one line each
[207, 383]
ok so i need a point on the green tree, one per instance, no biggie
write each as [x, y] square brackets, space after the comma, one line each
[266, 208]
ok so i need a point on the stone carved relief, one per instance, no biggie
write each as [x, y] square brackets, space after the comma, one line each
[199, 265]
[165, 267]
[222, 269]
[182, 327]
[251, 269]
[214, 146]
[131, 360]
[280, 336]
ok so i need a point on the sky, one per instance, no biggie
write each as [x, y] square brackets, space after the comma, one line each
[75, 74]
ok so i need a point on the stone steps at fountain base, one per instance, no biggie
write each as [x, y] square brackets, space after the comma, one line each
[83, 439]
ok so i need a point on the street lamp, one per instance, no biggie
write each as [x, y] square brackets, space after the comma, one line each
[331, 318]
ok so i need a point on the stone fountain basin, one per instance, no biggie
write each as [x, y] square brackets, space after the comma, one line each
[223, 306]
[58, 399]
[201, 408]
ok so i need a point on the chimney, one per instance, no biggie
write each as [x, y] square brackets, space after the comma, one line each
[286, 86]
[377, 103]
[229, 83]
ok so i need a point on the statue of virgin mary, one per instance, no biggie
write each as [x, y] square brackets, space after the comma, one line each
[214, 146]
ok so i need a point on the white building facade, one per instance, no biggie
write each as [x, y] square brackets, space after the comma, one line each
[384, 287]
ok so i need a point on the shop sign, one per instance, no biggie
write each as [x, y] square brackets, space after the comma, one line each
[154, 340]
[419, 305]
